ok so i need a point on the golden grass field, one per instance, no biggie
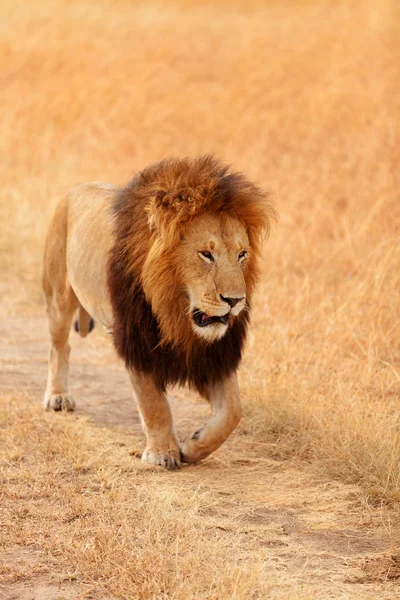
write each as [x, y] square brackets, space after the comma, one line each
[304, 97]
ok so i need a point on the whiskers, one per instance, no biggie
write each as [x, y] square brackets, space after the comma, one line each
[246, 308]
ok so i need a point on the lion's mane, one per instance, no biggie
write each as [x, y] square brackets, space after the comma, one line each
[152, 331]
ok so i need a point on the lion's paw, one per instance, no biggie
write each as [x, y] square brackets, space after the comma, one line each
[169, 458]
[59, 402]
[191, 452]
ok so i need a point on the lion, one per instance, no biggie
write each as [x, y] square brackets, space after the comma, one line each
[167, 265]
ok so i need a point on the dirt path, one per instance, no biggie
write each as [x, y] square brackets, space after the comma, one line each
[310, 531]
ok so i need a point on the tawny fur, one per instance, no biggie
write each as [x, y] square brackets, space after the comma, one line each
[131, 258]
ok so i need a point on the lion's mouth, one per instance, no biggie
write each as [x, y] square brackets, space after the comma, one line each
[202, 319]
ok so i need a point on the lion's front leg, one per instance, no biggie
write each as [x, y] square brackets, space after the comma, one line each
[162, 446]
[225, 401]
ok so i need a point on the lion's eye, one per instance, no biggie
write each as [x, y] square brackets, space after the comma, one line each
[207, 255]
[242, 255]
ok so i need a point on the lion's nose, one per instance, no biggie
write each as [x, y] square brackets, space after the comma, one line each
[231, 301]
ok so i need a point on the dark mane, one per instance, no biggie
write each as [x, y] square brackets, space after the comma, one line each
[137, 341]
[137, 332]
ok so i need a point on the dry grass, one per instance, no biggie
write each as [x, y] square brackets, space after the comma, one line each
[305, 98]
[91, 516]
[77, 494]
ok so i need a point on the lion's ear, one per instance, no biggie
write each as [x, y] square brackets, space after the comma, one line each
[152, 215]
[154, 211]
[163, 216]
[168, 210]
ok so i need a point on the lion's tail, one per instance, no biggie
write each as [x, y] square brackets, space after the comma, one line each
[84, 323]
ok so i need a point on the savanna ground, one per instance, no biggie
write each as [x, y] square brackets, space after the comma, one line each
[302, 502]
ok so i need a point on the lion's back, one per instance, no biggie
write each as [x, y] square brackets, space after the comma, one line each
[90, 237]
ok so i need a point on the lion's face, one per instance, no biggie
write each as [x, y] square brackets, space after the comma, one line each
[202, 243]
[213, 256]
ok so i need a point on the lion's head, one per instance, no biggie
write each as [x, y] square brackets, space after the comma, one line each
[213, 255]
[206, 226]
[188, 244]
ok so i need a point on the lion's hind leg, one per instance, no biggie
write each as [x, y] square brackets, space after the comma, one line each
[60, 312]
[61, 304]
[84, 324]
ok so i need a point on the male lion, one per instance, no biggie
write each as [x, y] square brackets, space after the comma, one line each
[167, 264]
